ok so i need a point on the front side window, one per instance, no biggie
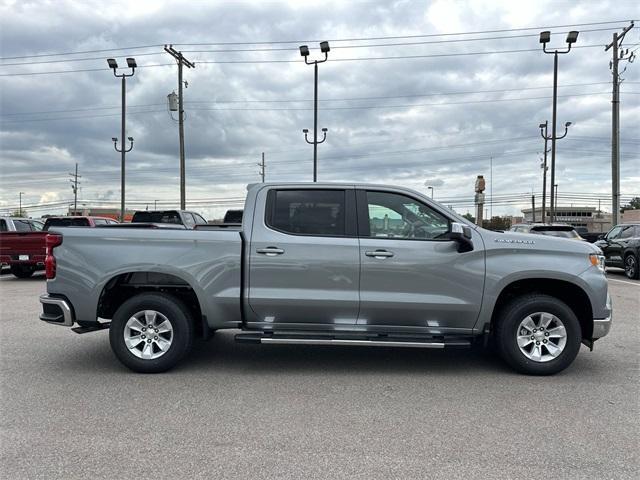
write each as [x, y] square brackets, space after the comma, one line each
[308, 212]
[392, 215]
[627, 232]
[199, 220]
[99, 221]
[613, 234]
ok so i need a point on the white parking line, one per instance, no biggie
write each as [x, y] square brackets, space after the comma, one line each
[622, 281]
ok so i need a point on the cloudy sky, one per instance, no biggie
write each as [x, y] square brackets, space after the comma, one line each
[414, 93]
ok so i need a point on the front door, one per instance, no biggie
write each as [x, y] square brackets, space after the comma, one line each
[412, 275]
[304, 267]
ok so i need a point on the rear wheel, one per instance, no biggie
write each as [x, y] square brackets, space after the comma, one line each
[151, 332]
[22, 271]
[538, 334]
[631, 267]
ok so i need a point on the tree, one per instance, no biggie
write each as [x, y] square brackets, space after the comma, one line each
[469, 217]
[634, 204]
[497, 223]
[18, 213]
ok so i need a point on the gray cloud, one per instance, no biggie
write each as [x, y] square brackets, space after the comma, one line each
[447, 139]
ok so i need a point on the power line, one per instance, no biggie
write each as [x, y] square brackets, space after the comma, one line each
[256, 62]
[397, 37]
[289, 49]
[360, 107]
[386, 97]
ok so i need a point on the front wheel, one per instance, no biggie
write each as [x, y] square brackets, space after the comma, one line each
[631, 267]
[151, 332]
[538, 334]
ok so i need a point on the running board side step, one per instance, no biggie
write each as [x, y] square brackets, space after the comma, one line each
[377, 342]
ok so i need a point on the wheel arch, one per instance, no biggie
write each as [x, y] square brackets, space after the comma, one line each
[122, 286]
[573, 295]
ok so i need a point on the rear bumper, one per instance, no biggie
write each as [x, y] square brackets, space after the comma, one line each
[56, 310]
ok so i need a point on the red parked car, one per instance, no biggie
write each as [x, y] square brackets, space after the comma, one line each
[25, 251]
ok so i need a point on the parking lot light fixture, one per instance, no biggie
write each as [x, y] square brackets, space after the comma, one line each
[304, 51]
[131, 63]
[545, 38]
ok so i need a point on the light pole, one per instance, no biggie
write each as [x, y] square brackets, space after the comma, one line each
[431, 188]
[131, 63]
[555, 194]
[545, 37]
[304, 51]
[20, 204]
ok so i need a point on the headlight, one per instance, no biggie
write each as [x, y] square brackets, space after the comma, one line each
[597, 261]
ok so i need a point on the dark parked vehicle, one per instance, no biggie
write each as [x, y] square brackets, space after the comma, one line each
[621, 248]
[552, 230]
[188, 220]
[590, 237]
[233, 216]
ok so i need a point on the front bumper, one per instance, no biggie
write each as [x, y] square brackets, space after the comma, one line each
[56, 310]
[601, 326]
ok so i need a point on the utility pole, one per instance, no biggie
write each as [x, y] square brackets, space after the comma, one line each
[615, 118]
[261, 165]
[181, 61]
[20, 204]
[491, 187]
[74, 187]
[533, 208]
[555, 194]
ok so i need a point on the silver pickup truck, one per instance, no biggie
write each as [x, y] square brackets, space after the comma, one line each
[330, 264]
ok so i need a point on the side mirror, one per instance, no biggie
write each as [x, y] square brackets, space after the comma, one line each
[461, 234]
[601, 237]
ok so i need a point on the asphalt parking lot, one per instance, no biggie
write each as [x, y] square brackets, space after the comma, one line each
[70, 410]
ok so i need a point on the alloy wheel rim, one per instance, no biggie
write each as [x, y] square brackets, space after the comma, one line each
[630, 266]
[148, 334]
[541, 337]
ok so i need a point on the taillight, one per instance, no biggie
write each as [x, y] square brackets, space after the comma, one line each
[52, 240]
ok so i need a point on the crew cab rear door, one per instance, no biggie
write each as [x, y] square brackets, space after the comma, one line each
[304, 262]
[412, 274]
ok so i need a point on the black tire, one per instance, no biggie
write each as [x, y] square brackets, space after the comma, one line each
[22, 271]
[631, 269]
[177, 314]
[507, 325]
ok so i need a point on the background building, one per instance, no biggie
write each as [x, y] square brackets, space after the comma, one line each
[590, 217]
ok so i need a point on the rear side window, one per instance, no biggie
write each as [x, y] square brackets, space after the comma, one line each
[188, 220]
[23, 226]
[3, 226]
[308, 212]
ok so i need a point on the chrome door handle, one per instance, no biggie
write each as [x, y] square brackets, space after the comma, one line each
[378, 253]
[270, 251]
